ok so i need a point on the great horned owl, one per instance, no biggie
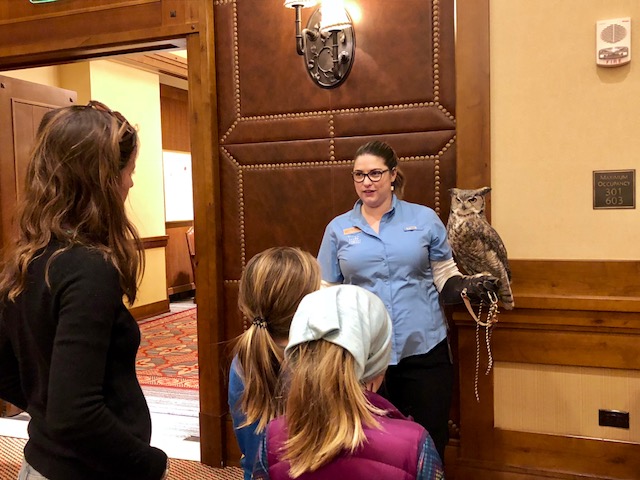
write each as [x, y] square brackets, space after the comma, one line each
[477, 247]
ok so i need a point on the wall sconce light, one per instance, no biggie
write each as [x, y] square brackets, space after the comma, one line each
[328, 44]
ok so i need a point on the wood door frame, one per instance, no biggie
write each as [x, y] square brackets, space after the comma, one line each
[473, 162]
[473, 99]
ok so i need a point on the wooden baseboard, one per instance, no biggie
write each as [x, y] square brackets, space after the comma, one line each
[181, 288]
[154, 242]
[150, 310]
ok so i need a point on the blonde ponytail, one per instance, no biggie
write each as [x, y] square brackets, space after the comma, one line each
[326, 408]
[271, 287]
[260, 358]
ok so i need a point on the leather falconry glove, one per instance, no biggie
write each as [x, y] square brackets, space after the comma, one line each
[477, 286]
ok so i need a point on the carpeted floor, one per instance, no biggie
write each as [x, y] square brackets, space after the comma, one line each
[168, 355]
[11, 457]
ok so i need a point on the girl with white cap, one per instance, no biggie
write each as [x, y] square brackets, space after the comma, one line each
[335, 425]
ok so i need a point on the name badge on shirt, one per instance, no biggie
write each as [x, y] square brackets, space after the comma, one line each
[352, 238]
[410, 228]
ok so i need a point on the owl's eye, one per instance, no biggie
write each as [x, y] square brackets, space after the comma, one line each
[473, 199]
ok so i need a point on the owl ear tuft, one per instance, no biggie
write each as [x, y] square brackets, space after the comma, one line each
[484, 190]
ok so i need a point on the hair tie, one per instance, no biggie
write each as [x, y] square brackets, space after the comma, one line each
[260, 322]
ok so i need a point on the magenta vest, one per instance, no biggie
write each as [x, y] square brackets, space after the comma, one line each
[391, 452]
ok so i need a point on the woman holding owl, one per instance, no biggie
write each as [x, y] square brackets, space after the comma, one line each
[399, 251]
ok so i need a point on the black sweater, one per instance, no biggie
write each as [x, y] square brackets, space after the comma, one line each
[67, 356]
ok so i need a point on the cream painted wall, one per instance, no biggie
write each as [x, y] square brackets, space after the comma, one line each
[77, 77]
[136, 94]
[569, 402]
[43, 75]
[555, 118]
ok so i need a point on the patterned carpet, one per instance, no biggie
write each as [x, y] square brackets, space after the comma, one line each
[168, 355]
[11, 457]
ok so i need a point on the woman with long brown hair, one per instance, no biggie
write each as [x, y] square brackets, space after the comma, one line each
[334, 425]
[67, 342]
[271, 287]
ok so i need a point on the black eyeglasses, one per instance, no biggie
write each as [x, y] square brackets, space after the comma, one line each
[373, 175]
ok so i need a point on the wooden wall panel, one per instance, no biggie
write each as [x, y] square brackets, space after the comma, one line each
[382, 58]
[551, 332]
[174, 112]
[179, 271]
[287, 144]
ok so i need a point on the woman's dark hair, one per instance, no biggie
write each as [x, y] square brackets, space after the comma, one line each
[73, 194]
[388, 154]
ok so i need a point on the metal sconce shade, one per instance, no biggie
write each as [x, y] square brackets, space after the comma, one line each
[328, 48]
[300, 3]
[333, 16]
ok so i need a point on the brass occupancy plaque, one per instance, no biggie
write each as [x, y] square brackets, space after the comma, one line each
[614, 189]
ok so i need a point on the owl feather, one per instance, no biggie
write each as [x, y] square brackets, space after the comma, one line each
[476, 245]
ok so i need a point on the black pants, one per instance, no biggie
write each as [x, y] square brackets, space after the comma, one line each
[421, 386]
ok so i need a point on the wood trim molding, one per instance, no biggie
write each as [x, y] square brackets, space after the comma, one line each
[77, 11]
[166, 63]
[150, 310]
[73, 49]
[155, 242]
[182, 288]
[179, 223]
[597, 285]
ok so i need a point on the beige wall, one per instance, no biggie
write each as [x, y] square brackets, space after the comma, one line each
[43, 75]
[77, 77]
[555, 118]
[136, 94]
[569, 402]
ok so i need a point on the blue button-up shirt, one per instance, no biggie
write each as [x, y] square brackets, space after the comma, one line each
[395, 264]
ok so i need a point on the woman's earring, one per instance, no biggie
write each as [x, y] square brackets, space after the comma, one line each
[392, 188]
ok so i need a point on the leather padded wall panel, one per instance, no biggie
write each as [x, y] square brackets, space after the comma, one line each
[286, 145]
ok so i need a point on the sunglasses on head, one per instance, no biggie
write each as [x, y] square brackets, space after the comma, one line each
[101, 107]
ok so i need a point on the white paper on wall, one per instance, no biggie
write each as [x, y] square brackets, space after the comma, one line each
[178, 187]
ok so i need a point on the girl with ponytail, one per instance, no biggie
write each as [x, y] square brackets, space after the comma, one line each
[334, 424]
[271, 287]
